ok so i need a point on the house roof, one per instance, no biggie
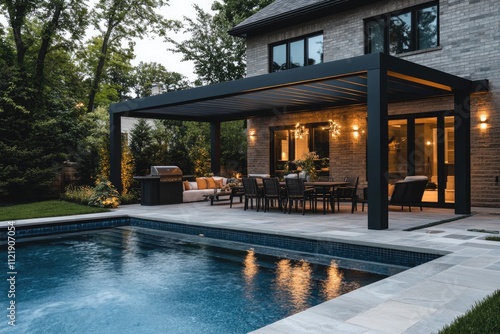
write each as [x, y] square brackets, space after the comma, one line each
[321, 86]
[287, 12]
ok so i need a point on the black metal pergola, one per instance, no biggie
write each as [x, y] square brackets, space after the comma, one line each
[373, 80]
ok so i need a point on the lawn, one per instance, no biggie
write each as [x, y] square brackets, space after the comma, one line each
[45, 209]
[481, 319]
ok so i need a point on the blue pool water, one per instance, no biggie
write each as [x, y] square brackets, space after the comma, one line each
[136, 280]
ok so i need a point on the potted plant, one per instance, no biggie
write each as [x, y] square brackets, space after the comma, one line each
[306, 163]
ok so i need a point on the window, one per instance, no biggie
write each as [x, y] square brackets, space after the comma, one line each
[286, 147]
[295, 53]
[409, 30]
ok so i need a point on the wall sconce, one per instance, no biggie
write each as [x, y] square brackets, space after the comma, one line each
[300, 131]
[251, 133]
[428, 143]
[483, 122]
[356, 131]
[334, 128]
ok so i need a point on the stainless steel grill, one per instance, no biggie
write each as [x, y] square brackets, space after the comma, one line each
[167, 173]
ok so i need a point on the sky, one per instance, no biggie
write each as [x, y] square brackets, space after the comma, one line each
[155, 50]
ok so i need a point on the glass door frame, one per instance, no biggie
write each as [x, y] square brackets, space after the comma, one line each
[441, 165]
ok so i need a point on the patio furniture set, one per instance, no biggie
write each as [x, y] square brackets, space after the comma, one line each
[296, 192]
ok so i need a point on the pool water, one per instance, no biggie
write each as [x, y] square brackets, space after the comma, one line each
[136, 280]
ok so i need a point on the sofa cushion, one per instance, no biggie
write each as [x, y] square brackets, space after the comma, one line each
[222, 181]
[211, 184]
[390, 189]
[193, 185]
[201, 182]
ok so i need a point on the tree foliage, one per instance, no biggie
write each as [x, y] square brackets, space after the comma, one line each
[145, 75]
[217, 56]
[57, 81]
[119, 21]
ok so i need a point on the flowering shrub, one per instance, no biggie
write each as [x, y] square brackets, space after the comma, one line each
[105, 195]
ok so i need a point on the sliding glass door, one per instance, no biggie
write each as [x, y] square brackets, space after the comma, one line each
[424, 146]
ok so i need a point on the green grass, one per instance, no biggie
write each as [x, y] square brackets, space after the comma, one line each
[483, 318]
[45, 209]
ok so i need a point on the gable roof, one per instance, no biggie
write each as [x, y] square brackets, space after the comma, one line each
[288, 12]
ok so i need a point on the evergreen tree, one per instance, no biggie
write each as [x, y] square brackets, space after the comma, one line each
[141, 142]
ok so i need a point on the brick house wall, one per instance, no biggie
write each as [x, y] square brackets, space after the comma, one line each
[469, 48]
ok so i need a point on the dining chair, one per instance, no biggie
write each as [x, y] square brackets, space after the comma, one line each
[296, 192]
[348, 192]
[273, 193]
[251, 190]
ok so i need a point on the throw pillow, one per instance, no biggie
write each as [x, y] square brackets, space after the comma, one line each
[211, 183]
[187, 186]
[201, 182]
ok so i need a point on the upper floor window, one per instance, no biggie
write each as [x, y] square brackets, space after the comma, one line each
[298, 52]
[416, 28]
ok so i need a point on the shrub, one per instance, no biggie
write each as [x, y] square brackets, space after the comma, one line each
[78, 194]
[105, 195]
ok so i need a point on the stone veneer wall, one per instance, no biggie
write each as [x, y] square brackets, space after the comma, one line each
[469, 48]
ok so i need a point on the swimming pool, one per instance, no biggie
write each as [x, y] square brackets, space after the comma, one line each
[136, 276]
[130, 279]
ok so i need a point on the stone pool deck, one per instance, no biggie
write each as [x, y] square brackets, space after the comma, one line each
[419, 300]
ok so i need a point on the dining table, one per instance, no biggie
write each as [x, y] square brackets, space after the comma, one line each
[325, 187]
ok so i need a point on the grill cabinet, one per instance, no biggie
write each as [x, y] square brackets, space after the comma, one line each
[163, 186]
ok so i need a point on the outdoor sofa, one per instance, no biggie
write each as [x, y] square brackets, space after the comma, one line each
[195, 191]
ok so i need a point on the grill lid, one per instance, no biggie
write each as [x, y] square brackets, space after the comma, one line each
[166, 171]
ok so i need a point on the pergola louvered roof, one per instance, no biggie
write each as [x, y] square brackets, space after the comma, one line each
[328, 85]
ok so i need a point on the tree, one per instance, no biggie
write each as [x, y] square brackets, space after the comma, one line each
[122, 20]
[145, 75]
[141, 146]
[217, 56]
[40, 27]
[235, 11]
[234, 147]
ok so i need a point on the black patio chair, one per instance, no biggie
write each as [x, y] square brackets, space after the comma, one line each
[296, 192]
[252, 192]
[273, 193]
[348, 193]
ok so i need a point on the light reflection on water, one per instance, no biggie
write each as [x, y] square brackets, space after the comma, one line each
[294, 282]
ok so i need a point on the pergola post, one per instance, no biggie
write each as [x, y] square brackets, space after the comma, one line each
[462, 153]
[115, 151]
[215, 151]
[377, 154]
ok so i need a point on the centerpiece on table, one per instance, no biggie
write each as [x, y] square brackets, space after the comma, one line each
[306, 164]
